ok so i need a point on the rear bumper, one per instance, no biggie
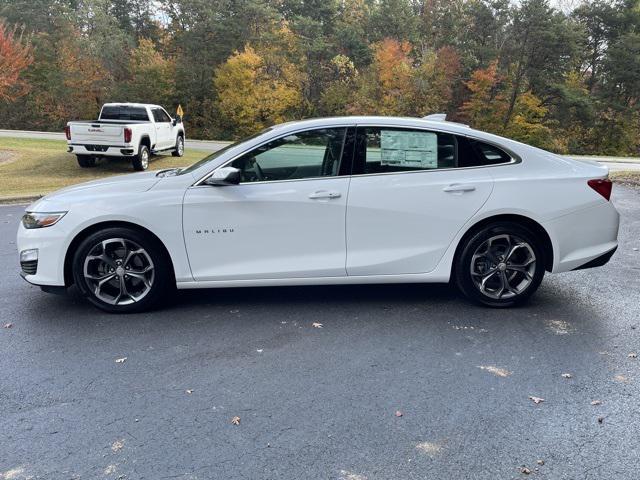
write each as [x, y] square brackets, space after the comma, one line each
[102, 150]
[598, 261]
[584, 239]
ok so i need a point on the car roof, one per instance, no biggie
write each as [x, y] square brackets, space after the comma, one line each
[432, 124]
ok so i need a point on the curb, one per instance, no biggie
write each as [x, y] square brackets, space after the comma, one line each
[19, 200]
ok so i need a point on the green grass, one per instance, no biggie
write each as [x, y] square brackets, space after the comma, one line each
[35, 167]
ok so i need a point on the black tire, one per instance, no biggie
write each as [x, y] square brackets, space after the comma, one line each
[493, 239]
[141, 161]
[86, 161]
[179, 150]
[118, 243]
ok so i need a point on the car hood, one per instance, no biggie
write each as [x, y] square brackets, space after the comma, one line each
[87, 191]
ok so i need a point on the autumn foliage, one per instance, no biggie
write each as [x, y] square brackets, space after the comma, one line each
[15, 56]
[563, 79]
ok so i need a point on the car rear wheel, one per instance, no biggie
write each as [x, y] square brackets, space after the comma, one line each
[179, 151]
[141, 161]
[500, 265]
[122, 270]
[86, 161]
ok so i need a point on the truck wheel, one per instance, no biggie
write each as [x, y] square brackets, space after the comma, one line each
[86, 161]
[179, 151]
[141, 161]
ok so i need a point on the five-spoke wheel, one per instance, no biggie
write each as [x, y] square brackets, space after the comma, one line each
[121, 269]
[500, 265]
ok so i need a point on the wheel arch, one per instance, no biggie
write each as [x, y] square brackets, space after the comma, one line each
[80, 236]
[527, 222]
[145, 140]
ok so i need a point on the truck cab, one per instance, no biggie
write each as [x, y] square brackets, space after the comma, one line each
[130, 130]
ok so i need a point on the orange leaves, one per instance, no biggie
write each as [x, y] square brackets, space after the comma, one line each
[16, 55]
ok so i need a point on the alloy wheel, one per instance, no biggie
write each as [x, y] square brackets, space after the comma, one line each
[503, 266]
[118, 271]
[144, 158]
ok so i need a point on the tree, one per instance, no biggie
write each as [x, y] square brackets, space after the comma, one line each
[16, 54]
[253, 93]
[152, 76]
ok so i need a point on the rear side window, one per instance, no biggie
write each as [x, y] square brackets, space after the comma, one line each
[474, 153]
[387, 150]
[124, 112]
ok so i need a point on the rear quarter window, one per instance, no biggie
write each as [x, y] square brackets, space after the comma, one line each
[474, 153]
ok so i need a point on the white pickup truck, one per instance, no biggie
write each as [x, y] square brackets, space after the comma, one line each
[131, 130]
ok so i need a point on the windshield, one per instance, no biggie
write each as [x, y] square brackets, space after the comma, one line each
[217, 153]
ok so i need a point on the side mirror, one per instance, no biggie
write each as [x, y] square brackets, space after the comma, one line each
[176, 120]
[224, 176]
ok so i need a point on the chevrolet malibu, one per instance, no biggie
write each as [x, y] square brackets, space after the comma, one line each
[328, 201]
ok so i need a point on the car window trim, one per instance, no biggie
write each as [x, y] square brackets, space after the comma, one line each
[199, 182]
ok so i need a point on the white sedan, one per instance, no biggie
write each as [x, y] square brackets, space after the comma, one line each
[328, 201]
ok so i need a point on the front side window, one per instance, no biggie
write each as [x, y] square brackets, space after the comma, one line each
[314, 153]
[387, 150]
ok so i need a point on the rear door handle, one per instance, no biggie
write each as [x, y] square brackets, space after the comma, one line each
[324, 194]
[458, 188]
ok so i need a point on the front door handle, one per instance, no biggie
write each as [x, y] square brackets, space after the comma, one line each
[459, 188]
[324, 194]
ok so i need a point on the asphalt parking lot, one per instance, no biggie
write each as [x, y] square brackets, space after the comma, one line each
[400, 381]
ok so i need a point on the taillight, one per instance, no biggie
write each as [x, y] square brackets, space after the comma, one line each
[602, 186]
[127, 135]
[67, 132]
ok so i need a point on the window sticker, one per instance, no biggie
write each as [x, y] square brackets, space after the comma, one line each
[409, 149]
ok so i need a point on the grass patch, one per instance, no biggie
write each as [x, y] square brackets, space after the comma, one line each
[631, 178]
[31, 167]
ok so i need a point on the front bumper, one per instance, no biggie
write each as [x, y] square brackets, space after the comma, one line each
[51, 245]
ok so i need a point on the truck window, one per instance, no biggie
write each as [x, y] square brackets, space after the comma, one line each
[160, 116]
[124, 112]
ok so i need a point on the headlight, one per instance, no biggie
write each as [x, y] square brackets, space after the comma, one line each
[41, 219]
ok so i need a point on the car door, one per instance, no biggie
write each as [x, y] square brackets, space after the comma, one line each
[286, 217]
[164, 138]
[408, 199]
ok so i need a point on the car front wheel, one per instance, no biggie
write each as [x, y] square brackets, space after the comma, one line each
[179, 150]
[122, 270]
[501, 265]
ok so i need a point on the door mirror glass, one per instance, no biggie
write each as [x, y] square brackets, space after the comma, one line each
[224, 176]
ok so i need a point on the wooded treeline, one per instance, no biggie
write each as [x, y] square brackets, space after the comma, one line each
[564, 80]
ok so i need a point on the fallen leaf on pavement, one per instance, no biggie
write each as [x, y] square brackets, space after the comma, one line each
[633, 355]
[259, 350]
[525, 470]
[497, 371]
[117, 445]
[431, 449]
[316, 325]
[536, 400]
[621, 379]
[600, 419]
[189, 391]
[596, 402]
[235, 421]
[7, 325]
[399, 413]
[567, 375]
[121, 360]
[540, 462]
